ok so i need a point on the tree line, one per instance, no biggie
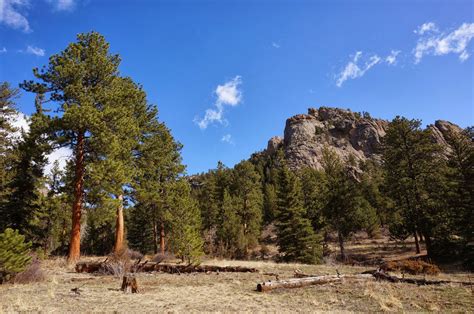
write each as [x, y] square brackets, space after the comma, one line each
[419, 189]
[126, 186]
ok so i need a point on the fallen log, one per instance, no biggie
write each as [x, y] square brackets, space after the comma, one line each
[381, 275]
[92, 267]
[297, 282]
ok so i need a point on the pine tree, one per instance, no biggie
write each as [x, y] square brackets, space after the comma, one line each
[229, 228]
[83, 81]
[185, 223]
[414, 179]
[345, 209]
[296, 239]
[246, 187]
[14, 253]
[7, 153]
[158, 166]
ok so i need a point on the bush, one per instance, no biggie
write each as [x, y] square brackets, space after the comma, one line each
[161, 257]
[118, 264]
[33, 273]
[14, 254]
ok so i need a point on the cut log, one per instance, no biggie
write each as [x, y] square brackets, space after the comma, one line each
[129, 284]
[297, 282]
[88, 267]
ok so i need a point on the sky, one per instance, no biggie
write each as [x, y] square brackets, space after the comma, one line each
[226, 75]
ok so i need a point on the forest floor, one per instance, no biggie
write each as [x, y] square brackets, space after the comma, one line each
[236, 292]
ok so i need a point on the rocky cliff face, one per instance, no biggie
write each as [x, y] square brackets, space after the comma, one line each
[350, 134]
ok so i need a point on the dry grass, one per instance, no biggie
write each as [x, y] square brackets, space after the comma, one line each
[228, 292]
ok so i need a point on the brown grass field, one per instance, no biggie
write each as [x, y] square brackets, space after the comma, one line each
[236, 292]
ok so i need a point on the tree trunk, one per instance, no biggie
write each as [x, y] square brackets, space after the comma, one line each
[162, 237]
[428, 245]
[119, 227]
[297, 282]
[417, 243]
[155, 237]
[341, 246]
[75, 243]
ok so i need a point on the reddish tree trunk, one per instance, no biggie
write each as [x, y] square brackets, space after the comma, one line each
[75, 243]
[155, 237]
[162, 238]
[119, 227]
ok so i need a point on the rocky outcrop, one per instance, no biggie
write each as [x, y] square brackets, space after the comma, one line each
[350, 134]
[441, 130]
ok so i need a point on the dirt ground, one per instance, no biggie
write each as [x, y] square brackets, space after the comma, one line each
[236, 292]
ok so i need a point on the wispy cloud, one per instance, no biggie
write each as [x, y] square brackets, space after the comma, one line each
[426, 27]
[63, 5]
[227, 139]
[3, 50]
[35, 51]
[355, 70]
[275, 45]
[228, 94]
[391, 59]
[441, 43]
[12, 14]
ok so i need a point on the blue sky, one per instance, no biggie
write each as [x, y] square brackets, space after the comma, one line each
[253, 64]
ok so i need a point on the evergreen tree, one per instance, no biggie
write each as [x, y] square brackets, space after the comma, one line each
[83, 81]
[185, 223]
[345, 209]
[14, 253]
[158, 166]
[246, 186]
[414, 179]
[229, 228]
[296, 239]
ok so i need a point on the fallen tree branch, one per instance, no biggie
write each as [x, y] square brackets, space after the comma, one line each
[297, 282]
[92, 267]
[303, 280]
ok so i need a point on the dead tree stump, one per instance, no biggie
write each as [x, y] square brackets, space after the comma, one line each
[129, 284]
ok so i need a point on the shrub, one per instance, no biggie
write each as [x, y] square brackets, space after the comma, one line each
[14, 254]
[161, 257]
[33, 273]
[134, 255]
[118, 264]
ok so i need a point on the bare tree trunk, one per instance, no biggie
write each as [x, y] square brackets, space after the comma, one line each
[417, 243]
[119, 227]
[75, 243]
[162, 237]
[428, 245]
[341, 246]
[155, 237]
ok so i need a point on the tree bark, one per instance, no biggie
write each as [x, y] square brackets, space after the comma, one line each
[75, 243]
[341, 246]
[119, 227]
[428, 245]
[417, 243]
[297, 282]
[155, 237]
[162, 237]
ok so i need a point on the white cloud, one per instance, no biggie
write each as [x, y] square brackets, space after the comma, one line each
[22, 123]
[35, 51]
[3, 50]
[441, 43]
[391, 59]
[63, 5]
[228, 94]
[353, 70]
[62, 155]
[426, 27]
[227, 139]
[12, 14]
[275, 45]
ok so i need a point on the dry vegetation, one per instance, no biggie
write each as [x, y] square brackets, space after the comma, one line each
[225, 292]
